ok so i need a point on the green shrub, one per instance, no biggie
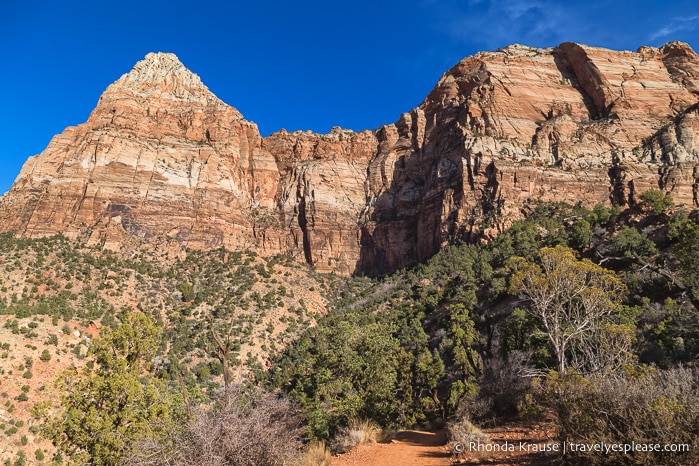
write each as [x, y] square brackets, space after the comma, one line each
[187, 291]
[581, 234]
[601, 214]
[203, 373]
[628, 242]
[215, 367]
[657, 200]
[21, 459]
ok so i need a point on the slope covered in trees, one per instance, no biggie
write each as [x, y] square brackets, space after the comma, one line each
[584, 316]
[554, 317]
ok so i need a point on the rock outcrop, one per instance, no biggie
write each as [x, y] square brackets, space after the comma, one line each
[162, 162]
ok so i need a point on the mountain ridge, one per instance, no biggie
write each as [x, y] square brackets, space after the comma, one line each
[163, 163]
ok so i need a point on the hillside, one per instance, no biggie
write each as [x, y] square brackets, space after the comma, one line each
[473, 335]
[56, 296]
[451, 340]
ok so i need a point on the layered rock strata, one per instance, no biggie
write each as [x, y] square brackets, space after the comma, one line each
[162, 161]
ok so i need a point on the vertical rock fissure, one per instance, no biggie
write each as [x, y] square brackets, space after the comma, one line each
[80, 202]
[616, 181]
[303, 224]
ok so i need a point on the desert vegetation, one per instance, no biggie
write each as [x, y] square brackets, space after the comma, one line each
[583, 318]
[562, 308]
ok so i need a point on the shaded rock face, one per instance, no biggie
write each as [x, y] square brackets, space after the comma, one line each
[162, 162]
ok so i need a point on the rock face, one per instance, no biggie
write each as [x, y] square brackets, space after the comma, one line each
[160, 157]
[161, 161]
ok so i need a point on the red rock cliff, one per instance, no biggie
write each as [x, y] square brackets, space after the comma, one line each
[162, 161]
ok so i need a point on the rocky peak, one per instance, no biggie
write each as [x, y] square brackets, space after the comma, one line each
[161, 75]
[159, 98]
[683, 64]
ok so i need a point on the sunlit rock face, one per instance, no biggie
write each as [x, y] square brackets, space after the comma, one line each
[162, 162]
[159, 157]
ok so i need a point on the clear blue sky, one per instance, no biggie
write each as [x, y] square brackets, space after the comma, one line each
[285, 64]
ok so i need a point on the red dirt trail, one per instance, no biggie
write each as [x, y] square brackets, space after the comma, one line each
[408, 448]
[416, 448]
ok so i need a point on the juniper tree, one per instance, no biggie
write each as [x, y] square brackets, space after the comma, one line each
[120, 401]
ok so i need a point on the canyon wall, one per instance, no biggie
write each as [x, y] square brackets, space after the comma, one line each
[162, 162]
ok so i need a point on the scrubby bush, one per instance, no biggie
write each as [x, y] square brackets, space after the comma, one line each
[20, 461]
[242, 428]
[644, 406]
[581, 234]
[503, 387]
[629, 242]
[462, 432]
[187, 291]
[601, 214]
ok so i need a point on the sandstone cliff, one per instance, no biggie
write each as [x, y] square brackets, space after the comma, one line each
[162, 162]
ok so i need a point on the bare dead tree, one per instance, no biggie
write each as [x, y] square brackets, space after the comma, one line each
[224, 344]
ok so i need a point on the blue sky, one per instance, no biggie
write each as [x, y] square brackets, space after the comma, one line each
[294, 65]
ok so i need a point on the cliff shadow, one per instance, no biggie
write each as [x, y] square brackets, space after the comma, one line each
[408, 221]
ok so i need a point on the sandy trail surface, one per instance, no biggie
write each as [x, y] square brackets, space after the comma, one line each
[408, 448]
[417, 448]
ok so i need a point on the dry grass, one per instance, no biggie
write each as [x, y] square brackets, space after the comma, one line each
[462, 433]
[316, 455]
[357, 431]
